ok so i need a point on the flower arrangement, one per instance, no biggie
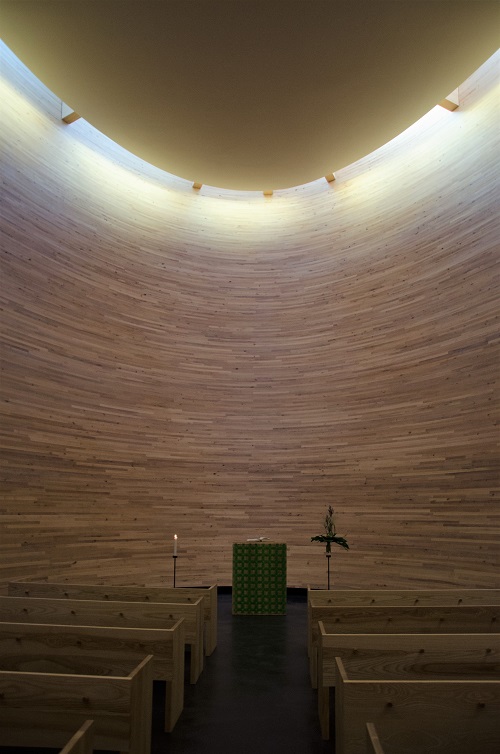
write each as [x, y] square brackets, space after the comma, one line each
[331, 534]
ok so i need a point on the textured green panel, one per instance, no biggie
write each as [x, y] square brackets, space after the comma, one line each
[259, 579]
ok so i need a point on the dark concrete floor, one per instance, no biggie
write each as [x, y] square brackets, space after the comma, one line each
[254, 695]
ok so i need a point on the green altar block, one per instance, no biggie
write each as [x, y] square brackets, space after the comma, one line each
[259, 578]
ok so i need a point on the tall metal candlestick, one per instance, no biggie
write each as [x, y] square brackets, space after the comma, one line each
[175, 555]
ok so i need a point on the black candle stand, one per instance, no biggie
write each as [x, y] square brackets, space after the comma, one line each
[175, 565]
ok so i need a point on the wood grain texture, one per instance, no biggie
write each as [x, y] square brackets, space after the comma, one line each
[404, 597]
[422, 654]
[384, 656]
[452, 717]
[128, 594]
[38, 709]
[118, 614]
[221, 365]
[98, 650]
[395, 620]
[466, 619]
[395, 597]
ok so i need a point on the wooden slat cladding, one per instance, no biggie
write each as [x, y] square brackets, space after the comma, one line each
[221, 366]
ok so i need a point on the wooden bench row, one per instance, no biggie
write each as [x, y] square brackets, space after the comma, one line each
[98, 650]
[398, 597]
[95, 645]
[451, 715]
[40, 709]
[462, 611]
[112, 614]
[403, 597]
[410, 656]
[403, 683]
[482, 619]
[182, 595]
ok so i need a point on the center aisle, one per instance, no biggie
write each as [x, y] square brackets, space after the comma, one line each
[253, 696]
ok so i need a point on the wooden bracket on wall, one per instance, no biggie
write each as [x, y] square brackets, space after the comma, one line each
[450, 102]
[68, 115]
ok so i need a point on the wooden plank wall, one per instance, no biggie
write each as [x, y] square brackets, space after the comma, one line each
[221, 365]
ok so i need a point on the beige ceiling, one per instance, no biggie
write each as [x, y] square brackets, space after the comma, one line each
[251, 94]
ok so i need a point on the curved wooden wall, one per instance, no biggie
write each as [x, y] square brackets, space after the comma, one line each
[225, 366]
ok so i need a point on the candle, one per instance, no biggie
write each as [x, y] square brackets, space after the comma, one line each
[175, 544]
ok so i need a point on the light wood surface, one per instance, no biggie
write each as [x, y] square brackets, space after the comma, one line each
[128, 594]
[382, 656]
[424, 619]
[403, 597]
[118, 614]
[451, 716]
[82, 742]
[428, 619]
[373, 742]
[39, 709]
[98, 650]
[222, 366]
[68, 115]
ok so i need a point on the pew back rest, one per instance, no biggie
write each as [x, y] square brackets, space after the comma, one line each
[40, 709]
[405, 597]
[91, 650]
[103, 613]
[412, 655]
[106, 613]
[415, 716]
[134, 593]
[397, 619]
[119, 593]
[396, 597]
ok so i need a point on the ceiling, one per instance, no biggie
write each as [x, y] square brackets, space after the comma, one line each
[251, 94]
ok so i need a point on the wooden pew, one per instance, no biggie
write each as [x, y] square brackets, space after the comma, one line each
[450, 716]
[118, 614]
[98, 650]
[128, 594]
[403, 597]
[40, 709]
[397, 619]
[373, 745]
[382, 655]
[82, 742]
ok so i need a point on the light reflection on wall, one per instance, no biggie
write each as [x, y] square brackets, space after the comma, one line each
[138, 188]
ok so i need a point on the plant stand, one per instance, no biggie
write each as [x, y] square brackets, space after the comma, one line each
[328, 556]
